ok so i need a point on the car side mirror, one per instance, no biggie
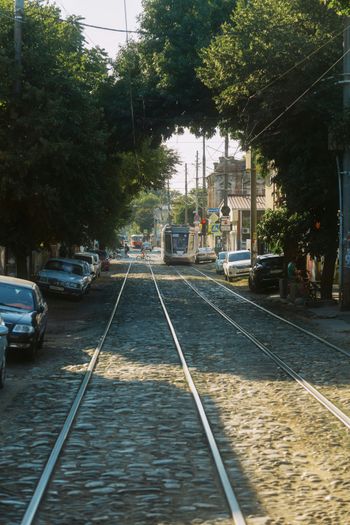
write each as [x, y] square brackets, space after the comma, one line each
[41, 309]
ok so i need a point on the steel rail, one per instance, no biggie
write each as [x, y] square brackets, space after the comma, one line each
[51, 462]
[233, 504]
[307, 332]
[335, 411]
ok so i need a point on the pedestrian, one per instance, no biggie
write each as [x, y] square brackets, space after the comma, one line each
[292, 271]
[126, 249]
[295, 281]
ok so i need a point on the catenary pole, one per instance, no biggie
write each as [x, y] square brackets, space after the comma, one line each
[225, 233]
[197, 169]
[19, 12]
[345, 180]
[186, 204]
[204, 237]
[253, 213]
[169, 201]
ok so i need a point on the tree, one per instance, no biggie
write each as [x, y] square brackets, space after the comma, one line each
[63, 177]
[51, 135]
[143, 208]
[158, 72]
[245, 68]
[340, 6]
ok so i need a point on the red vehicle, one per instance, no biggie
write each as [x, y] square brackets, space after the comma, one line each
[105, 263]
[136, 241]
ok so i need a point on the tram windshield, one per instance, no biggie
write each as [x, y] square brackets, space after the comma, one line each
[180, 242]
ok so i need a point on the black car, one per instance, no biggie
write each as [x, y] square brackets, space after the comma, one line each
[266, 272]
[24, 312]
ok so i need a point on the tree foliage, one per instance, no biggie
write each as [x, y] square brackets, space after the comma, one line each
[63, 174]
[257, 69]
[159, 71]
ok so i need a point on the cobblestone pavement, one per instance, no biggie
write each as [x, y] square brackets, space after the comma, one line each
[137, 454]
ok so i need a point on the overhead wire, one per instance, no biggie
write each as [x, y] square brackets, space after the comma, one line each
[295, 101]
[69, 14]
[132, 113]
[296, 65]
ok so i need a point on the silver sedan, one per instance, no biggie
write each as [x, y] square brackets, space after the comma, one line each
[205, 255]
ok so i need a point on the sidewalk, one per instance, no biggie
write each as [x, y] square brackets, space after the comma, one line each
[325, 317]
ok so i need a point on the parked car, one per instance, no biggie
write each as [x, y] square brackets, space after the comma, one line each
[205, 254]
[97, 262]
[237, 264]
[3, 350]
[24, 311]
[64, 277]
[147, 246]
[219, 262]
[104, 259]
[89, 259]
[266, 272]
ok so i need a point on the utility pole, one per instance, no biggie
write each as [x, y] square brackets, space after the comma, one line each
[197, 169]
[253, 213]
[169, 205]
[186, 204]
[19, 12]
[225, 210]
[204, 237]
[344, 246]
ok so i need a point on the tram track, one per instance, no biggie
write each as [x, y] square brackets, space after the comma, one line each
[57, 449]
[137, 453]
[323, 400]
[57, 454]
[305, 353]
[305, 418]
[241, 297]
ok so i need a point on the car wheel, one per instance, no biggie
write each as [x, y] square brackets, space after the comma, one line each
[251, 285]
[41, 340]
[3, 372]
[33, 351]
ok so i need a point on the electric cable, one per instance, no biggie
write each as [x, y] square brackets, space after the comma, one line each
[297, 64]
[298, 98]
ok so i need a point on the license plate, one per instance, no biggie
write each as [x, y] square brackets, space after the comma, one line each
[275, 271]
[58, 288]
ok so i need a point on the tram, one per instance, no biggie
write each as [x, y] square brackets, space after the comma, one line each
[178, 244]
[136, 241]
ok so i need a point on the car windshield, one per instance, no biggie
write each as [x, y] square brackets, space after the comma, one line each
[242, 256]
[62, 266]
[16, 297]
[275, 262]
[86, 258]
[222, 255]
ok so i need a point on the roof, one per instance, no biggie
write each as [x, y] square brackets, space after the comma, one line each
[16, 281]
[242, 202]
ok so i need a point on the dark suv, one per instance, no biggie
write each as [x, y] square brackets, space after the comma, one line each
[266, 272]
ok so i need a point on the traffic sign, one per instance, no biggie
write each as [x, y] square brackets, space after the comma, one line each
[225, 224]
[215, 228]
[225, 210]
[213, 217]
[213, 210]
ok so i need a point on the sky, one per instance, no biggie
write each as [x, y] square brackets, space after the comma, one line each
[111, 13]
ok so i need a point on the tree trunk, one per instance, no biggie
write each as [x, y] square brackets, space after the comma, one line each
[22, 270]
[328, 273]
